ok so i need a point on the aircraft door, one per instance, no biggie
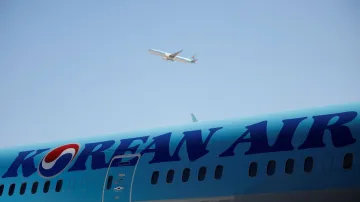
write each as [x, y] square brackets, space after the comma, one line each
[119, 178]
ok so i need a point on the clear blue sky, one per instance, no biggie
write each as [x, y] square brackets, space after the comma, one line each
[81, 68]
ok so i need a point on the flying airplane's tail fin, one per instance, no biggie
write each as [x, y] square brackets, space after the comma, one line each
[194, 59]
[194, 119]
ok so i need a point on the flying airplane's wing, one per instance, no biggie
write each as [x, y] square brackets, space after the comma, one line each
[176, 53]
[182, 59]
[158, 52]
[185, 60]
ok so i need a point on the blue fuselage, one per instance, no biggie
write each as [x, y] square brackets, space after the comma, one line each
[295, 156]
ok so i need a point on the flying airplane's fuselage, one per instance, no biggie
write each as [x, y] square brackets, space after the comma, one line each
[309, 155]
[167, 57]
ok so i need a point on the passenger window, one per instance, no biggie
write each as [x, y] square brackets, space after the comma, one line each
[170, 176]
[202, 173]
[11, 189]
[1, 189]
[308, 164]
[271, 168]
[34, 187]
[154, 177]
[58, 185]
[289, 166]
[186, 174]
[218, 172]
[253, 169]
[23, 188]
[46, 186]
[348, 161]
[109, 182]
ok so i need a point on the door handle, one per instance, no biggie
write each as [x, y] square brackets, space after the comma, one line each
[119, 188]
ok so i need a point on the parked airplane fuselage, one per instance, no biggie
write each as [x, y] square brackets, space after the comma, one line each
[294, 156]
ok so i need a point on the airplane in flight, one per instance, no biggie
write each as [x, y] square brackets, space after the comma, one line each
[297, 156]
[173, 56]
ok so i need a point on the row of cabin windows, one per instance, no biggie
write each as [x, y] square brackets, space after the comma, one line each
[34, 188]
[289, 165]
[185, 176]
[171, 173]
[270, 170]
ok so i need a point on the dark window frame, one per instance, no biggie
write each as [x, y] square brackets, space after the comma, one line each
[218, 172]
[12, 189]
[348, 161]
[34, 187]
[170, 176]
[2, 187]
[308, 164]
[109, 182]
[253, 168]
[289, 166]
[185, 175]
[155, 177]
[46, 187]
[202, 173]
[23, 188]
[58, 186]
[271, 168]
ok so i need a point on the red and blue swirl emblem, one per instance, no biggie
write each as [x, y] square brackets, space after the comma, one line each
[57, 160]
